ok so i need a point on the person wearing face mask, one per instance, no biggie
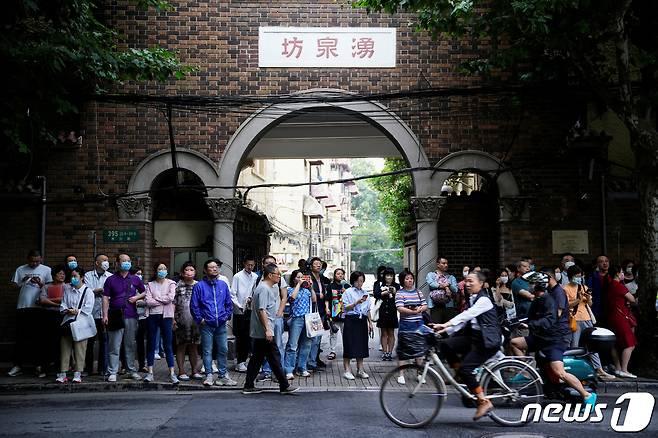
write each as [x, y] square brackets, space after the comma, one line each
[566, 262]
[95, 280]
[598, 283]
[621, 321]
[630, 276]
[77, 302]
[71, 262]
[503, 296]
[50, 299]
[120, 293]
[580, 301]
[160, 294]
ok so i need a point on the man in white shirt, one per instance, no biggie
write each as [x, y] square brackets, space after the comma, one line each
[95, 280]
[241, 289]
[29, 278]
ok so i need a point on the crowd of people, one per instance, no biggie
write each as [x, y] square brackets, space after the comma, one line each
[114, 319]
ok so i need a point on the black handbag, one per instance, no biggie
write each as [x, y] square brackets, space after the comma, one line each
[115, 319]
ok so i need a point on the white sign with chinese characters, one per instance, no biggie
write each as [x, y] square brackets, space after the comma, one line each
[364, 47]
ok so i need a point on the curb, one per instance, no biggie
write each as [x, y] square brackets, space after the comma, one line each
[128, 386]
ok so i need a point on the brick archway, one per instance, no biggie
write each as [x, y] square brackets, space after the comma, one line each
[254, 128]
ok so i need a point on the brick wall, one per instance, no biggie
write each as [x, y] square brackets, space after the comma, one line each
[221, 38]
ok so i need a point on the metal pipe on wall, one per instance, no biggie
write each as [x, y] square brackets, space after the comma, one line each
[43, 216]
[604, 224]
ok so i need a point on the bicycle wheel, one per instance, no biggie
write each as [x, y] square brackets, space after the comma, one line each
[411, 403]
[510, 386]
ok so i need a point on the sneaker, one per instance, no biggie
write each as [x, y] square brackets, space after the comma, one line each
[157, 356]
[602, 375]
[304, 373]
[39, 372]
[241, 367]
[208, 381]
[77, 377]
[197, 376]
[263, 377]
[61, 378]
[225, 381]
[215, 370]
[173, 379]
[591, 400]
[15, 371]
[290, 376]
[148, 378]
[252, 390]
[183, 377]
[135, 376]
[362, 374]
[401, 380]
[112, 378]
[349, 376]
[289, 390]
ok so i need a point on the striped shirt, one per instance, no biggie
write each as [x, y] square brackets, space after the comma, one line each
[410, 298]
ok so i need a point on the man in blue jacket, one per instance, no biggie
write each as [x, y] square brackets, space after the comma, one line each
[211, 307]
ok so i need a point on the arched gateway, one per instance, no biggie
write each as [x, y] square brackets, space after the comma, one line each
[224, 204]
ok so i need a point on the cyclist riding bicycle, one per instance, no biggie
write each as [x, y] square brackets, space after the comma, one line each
[547, 332]
[481, 318]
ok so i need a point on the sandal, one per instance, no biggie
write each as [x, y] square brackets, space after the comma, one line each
[331, 356]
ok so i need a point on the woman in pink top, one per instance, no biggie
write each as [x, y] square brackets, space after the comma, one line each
[160, 293]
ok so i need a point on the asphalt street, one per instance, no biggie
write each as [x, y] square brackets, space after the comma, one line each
[231, 414]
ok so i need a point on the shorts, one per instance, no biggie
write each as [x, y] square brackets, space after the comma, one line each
[553, 352]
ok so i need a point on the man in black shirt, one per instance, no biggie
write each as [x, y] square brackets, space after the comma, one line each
[547, 334]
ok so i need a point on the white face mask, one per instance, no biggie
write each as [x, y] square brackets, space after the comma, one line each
[558, 276]
[465, 273]
[629, 270]
[569, 264]
[504, 279]
[105, 265]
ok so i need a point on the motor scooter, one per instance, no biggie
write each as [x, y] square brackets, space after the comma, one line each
[576, 362]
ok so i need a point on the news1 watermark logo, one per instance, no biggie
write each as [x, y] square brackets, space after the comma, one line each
[632, 412]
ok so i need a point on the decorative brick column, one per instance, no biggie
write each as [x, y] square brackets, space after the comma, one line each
[427, 211]
[224, 211]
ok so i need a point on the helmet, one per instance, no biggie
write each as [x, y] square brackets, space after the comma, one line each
[536, 278]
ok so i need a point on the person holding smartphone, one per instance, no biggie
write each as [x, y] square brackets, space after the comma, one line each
[299, 345]
[388, 314]
[358, 326]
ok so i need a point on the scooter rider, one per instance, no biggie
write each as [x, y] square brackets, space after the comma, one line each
[547, 335]
[484, 341]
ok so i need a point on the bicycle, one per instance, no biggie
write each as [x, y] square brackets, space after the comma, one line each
[510, 383]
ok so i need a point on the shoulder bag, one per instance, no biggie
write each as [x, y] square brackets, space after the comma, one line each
[426, 317]
[83, 326]
[313, 322]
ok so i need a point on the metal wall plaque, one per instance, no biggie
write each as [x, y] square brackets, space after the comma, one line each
[573, 241]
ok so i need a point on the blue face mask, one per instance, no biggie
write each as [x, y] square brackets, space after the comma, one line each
[532, 267]
[125, 266]
[73, 264]
[577, 280]
[162, 274]
[75, 281]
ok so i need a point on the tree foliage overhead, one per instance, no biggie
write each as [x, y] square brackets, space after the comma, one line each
[56, 54]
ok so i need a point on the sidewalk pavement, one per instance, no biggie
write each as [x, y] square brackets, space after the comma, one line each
[331, 379]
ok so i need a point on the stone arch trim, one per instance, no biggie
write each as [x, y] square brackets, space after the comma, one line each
[156, 163]
[478, 160]
[248, 134]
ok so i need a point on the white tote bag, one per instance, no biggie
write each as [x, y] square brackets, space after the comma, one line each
[84, 327]
[313, 323]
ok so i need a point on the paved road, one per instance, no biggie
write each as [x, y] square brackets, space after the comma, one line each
[231, 414]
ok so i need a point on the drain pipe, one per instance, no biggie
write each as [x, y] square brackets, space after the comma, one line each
[43, 215]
